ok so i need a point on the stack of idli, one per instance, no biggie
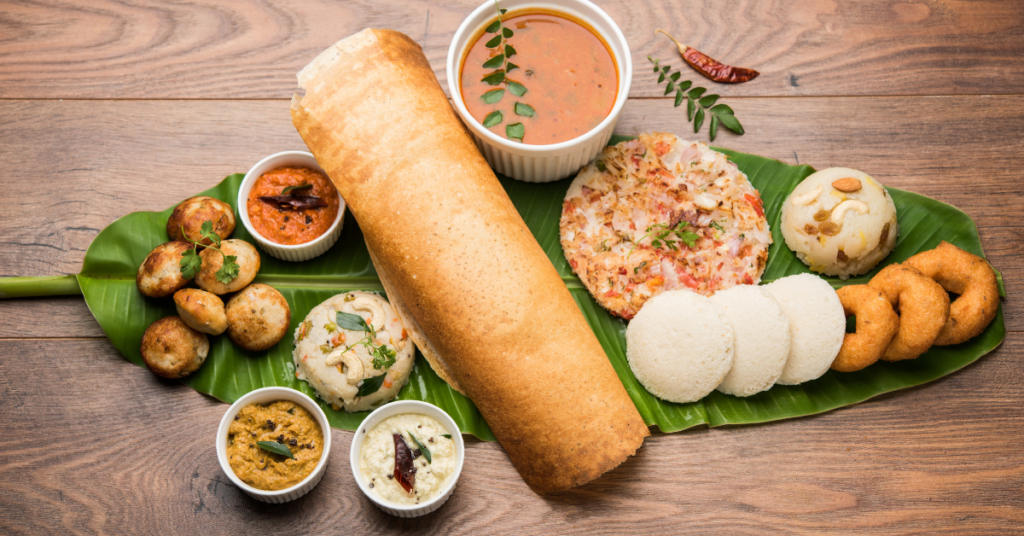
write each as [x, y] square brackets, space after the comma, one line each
[740, 341]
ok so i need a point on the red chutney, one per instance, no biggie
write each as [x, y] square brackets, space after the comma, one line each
[568, 70]
[291, 227]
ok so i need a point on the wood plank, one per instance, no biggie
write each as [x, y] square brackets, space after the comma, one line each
[105, 159]
[252, 49]
[91, 443]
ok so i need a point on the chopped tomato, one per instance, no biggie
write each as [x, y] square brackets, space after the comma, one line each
[611, 294]
[661, 148]
[630, 287]
[688, 280]
[622, 270]
[572, 262]
[747, 279]
[627, 315]
[756, 203]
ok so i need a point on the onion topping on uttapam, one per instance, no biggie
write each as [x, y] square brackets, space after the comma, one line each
[659, 213]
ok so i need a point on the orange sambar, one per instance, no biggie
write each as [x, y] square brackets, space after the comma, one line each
[569, 73]
[291, 227]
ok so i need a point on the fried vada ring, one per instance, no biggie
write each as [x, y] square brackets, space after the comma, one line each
[972, 278]
[877, 324]
[923, 307]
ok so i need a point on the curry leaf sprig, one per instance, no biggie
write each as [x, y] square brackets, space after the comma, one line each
[500, 62]
[383, 357]
[191, 262]
[698, 105]
[666, 236]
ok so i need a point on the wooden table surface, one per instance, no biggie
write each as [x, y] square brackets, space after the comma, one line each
[114, 106]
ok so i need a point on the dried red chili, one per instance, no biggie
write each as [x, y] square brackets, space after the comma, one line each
[711, 68]
[405, 470]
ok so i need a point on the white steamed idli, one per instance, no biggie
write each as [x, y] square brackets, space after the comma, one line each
[817, 325]
[679, 346]
[761, 339]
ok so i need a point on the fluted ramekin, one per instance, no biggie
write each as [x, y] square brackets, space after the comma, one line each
[265, 396]
[540, 163]
[298, 252]
[399, 408]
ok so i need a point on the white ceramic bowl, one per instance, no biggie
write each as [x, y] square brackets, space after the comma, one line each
[265, 396]
[398, 408]
[299, 252]
[541, 163]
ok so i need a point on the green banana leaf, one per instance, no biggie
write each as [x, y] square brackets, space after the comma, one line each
[108, 283]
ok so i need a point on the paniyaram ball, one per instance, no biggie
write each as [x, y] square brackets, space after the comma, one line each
[679, 346]
[816, 325]
[761, 339]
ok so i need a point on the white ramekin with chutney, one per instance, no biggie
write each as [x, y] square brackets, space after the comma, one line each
[290, 206]
[540, 90]
[273, 443]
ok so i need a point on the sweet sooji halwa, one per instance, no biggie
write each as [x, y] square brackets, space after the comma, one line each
[569, 73]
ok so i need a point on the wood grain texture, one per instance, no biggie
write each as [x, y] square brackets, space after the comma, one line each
[113, 157]
[252, 49]
[940, 459]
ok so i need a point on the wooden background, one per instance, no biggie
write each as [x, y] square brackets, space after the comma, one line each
[113, 106]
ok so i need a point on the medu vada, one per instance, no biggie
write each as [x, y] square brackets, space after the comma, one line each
[877, 324]
[922, 305]
[972, 278]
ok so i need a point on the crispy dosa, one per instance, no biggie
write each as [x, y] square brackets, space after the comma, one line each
[461, 260]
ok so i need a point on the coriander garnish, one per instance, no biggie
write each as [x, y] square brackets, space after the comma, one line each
[383, 357]
[499, 62]
[697, 104]
[665, 236]
[191, 262]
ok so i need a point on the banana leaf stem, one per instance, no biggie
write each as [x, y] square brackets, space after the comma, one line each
[29, 287]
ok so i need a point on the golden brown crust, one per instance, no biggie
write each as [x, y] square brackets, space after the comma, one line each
[877, 324]
[973, 279]
[159, 275]
[258, 317]
[463, 261]
[923, 307]
[246, 256]
[192, 212]
[172, 349]
[200, 310]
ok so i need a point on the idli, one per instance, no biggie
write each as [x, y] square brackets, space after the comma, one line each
[761, 339]
[680, 346]
[816, 325]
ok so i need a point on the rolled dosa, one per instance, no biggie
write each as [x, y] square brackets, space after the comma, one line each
[462, 262]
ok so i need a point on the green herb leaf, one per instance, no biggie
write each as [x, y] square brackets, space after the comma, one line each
[515, 131]
[351, 322]
[207, 231]
[688, 238]
[494, 26]
[509, 51]
[722, 109]
[276, 448]
[524, 110]
[502, 11]
[684, 85]
[449, 436]
[190, 263]
[698, 120]
[507, 32]
[679, 97]
[383, 357]
[661, 77]
[494, 78]
[670, 88]
[371, 385]
[494, 62]
[730, 122]
[713, 130]
[516, 88]
[637, 269]
[229, 270]
[717, 226]
[675, 76]
[696, 92]
[492, 119]
[493, 96]
[423, 448]
[296, 187]
[665, 69]
[495, 41]
[708, 101]
[601, 166]
[690, 108]
[509, 67]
